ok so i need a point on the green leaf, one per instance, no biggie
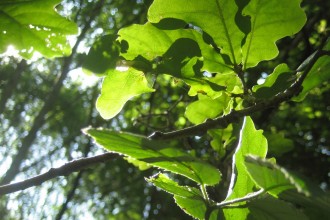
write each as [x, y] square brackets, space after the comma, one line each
[206, 108]
[172, 187]
[139, 164]
[236, 213]
[216, 18]
[271, 20]
[118, 87]
[271, 177]
[189, 199]
[158, 154]
[216, 85]
[156, 45]
[195, 208]
[271, 208]
[317, 76]
[103, 55]
[316, 206]
[278, 144]
[221, 138]
[278, 81]
[251, 142]
[181, 53]
[34, 26]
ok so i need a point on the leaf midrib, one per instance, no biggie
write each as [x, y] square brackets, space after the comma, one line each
[222, 20]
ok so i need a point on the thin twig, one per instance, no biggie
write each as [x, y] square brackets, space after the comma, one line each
[64, 170]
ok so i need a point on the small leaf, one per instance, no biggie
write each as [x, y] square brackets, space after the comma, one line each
[193, 207]
[317, 76]
[139, 164]
[221, 138]
[215, 86]
[103, 55]
[206, 108]
[278, 81]
[189, 199]
[271, 20]
[34, 26]
[158, 154]
[220, 22]
[271, 177]
[172, 187]
[271, 208]
[118, 87]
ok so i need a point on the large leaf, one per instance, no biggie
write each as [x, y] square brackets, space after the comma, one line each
[34, 26]
[215, 17]
[251, 142]
[316, 206]
[158, 154]
[155, 42]
[271, 20]
[271, 208]
[118, 87]
[271, 177]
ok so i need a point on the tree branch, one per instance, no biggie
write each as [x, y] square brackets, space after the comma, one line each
[64, 170]
[233, 116]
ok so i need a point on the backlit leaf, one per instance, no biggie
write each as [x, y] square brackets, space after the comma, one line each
[33, 26]
[118, 87]
[317, 76]
[251, 142]
[271, 20]
[271, 177]
[158, 154]
[170, 186]
[207, 108]
[154, 43]
[276, 82]
[216, 18]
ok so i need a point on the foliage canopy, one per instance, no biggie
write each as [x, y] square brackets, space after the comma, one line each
[192, 84]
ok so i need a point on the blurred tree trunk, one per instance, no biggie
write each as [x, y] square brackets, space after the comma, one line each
[11, 85]
[39, 120]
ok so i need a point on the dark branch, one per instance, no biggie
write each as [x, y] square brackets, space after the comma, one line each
[224, 121]
[64, 170]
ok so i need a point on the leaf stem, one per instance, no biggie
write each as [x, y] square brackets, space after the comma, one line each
[248, 197]
[204, 193]
[240, 73]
